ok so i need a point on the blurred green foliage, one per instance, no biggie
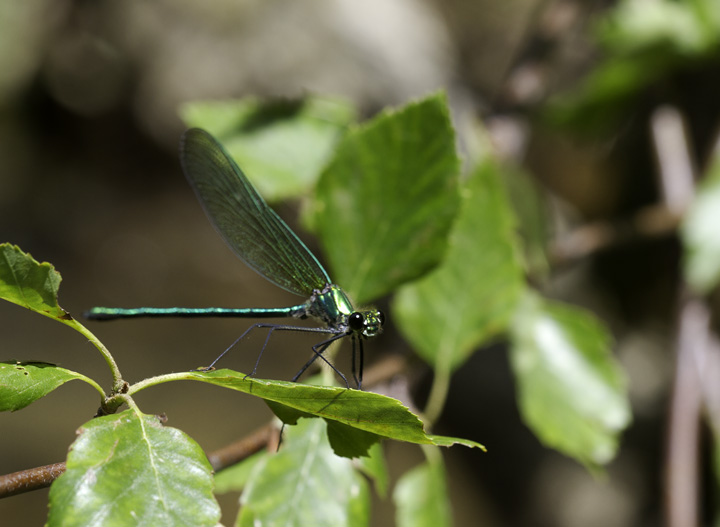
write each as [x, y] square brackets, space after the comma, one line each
[643, 43]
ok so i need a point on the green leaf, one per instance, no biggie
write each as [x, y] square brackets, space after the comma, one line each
[472, 294]
[375, 467]
[305, 484]
[386, 201]
[531, 208]
[421, 497]
[22, 383]
[30, 284]
[365, 414]
[347, 441]
[644, 43]
[128, 469]
[608, 95]
[682, 28]
[571, 391]
[286, 414]
[35, 286]
[700, 234]
[234, 478]
[281, 145]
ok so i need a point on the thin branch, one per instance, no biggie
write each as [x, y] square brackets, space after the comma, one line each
[42, 477]
[650, 222]
[242, 449]
[30, 479]
[708, 370]
[385, 369]
[118, 383]
[676, 174]
[681, 478]
[675, 165]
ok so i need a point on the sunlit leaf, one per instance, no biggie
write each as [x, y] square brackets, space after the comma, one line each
[644, 42]
[28, 283]
[472, 294]
[571, 391]
[386, 201]
[22, 383]
[305, 484]
[129, 469]
[680, 28]
[421, 497]
[348, 441]
[33, 285]
[375, 467]
[281, 145]
[358, 417]
[235, 478]
[533, 222]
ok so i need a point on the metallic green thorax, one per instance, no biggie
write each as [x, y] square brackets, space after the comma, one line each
[332, 306]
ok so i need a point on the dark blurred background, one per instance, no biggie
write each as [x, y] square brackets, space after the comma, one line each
[90, 181]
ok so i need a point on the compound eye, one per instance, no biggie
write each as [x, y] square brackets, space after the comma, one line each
[381, 317]
[356, 321]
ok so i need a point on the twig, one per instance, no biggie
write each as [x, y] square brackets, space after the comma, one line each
[708, 371]
[675, 165]
[30, 479]
[675, 169]
[385, 369]
[42, 477]
[650, 222]
[681, 479]
[242, 449]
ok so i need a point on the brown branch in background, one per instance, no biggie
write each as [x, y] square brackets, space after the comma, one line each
[708, 371]
[264, 437]
[385, 369]
[675, 165]
[31, 479]
[650, 222]
[709, 366]
[244, 448]
[675, 170]
[681, 470]
[42, 477]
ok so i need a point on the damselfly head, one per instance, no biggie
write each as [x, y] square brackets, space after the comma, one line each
[367, 323]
